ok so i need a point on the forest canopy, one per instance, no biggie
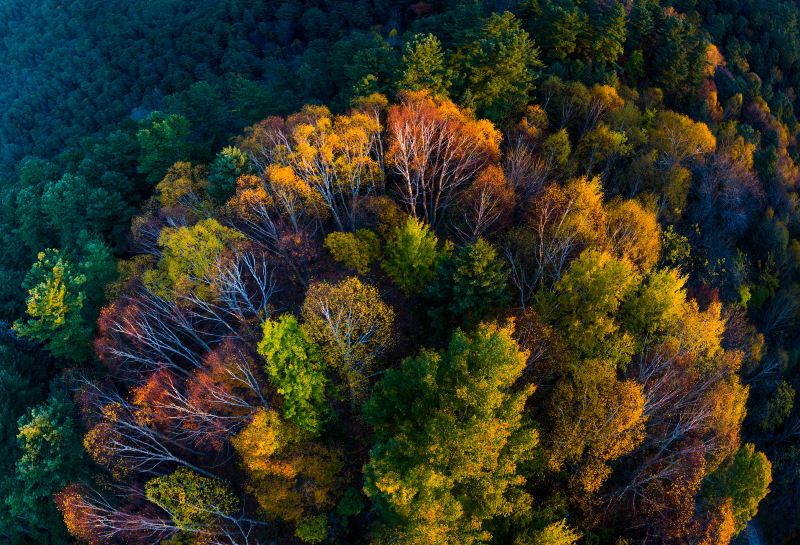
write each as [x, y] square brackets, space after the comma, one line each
[383, 271]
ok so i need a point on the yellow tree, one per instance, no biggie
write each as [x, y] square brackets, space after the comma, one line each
[338, 157]
[353, 327]
[190, 260]
[291, 478]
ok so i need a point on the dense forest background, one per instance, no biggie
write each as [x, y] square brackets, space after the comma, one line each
[620, 180]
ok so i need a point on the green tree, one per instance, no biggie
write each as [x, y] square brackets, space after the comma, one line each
[450, 436]
[588, 299]
[411, 255]
[51, 456]
[745, 479]
[468, 286]
[294, 366]
[56, 297]
[225, 170]
[424, 66]
[498, 68]
[70, 205]
[163, 140]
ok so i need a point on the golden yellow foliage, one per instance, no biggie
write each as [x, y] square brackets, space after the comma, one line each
[288, 476]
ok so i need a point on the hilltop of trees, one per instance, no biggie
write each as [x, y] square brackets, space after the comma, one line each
[392, 272]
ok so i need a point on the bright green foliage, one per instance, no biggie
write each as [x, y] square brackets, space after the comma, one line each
[55, 301]
[424, 66]
[51, 456]
[163, 140]
[193, 501]
[450, 435]
[411, 256]
[588, 298]
[469, 285]
[312, 529]
[294, 367]
[354, 250]
[499, 68]
[745, 480]
[190, 259]
[224, 172]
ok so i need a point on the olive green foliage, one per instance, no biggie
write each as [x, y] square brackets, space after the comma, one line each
[354, 250]
[189, 260]
[192, 500]
[312, 529]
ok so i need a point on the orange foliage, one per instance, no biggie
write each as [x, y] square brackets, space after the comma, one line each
[435, 149]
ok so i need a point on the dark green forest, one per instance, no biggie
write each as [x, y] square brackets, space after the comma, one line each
[377, 271]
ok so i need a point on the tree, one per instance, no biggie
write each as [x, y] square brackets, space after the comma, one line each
[353, 327]
[294, 367]
[634, 233]
[190, 259]
[339, 158]
[228, 165]
[411, 255]
[436, 149]
[193, 501]
[468, 287]
[556, 533]
[163, 140]
[596, 419]
[55, 304]
[424, 66]
[499, 68]
[71, 204]
[290, 478]
[354, 250]
[589, 297]
[678, 138]
[51, 456]
[450, 436]
[487, 204]
[745, 479]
